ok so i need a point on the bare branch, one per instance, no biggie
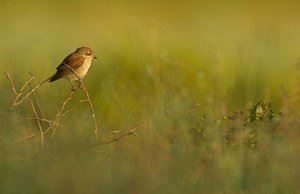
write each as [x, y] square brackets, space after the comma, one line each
[50, 123]
[58, 115]
[16, 102]
[125, 133]
[91, 109]
[25, 138]
[10, 82]
[40, 126]
[61, 113]
[45, 120]
[37, 102]
[88, 99]
[26, 83]
[20, 93]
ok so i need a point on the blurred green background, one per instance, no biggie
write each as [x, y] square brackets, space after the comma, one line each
[181, 65]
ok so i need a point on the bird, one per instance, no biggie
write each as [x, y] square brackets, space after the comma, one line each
[75, 66]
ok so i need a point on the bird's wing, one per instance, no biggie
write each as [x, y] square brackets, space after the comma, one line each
[74, 60]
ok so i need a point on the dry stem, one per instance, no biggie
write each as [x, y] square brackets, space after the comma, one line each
[18, 95]
[16, 102]
[10, 82]
[60, 113]
[40, 126]
[89, 102]
[25, 138]
[125, 133]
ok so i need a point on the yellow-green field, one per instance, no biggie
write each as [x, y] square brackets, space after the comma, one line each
[214, 85]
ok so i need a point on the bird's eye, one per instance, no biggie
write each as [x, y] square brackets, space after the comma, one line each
[89, 54]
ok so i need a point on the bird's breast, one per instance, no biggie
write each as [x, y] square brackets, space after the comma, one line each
[82, 71]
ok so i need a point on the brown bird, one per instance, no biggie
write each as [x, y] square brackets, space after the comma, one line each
[75, 66]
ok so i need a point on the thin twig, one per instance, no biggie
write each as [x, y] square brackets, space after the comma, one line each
[37, 102]
[40, 126]
[50, 123]
[64, 104]
[10, 82]
[26, 83]
[45, 120]
[60, 113]
[55, 123]
[25, 138]
[20, 93]
[91, 109]
[58, 116]
[14, 91]
[127, 132]
[27, 95]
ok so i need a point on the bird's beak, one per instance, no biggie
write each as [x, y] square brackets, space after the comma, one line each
[95, 57]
